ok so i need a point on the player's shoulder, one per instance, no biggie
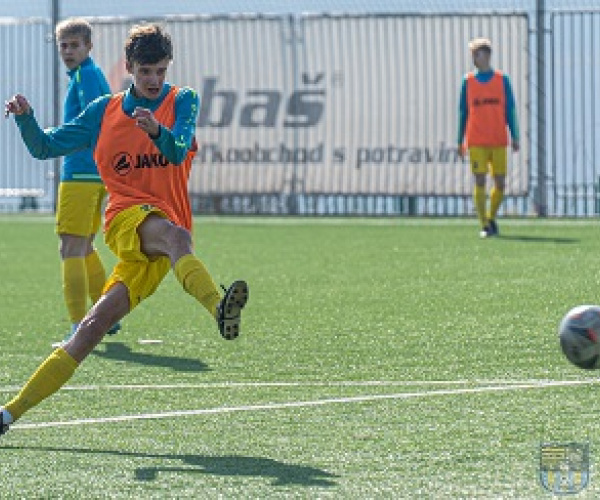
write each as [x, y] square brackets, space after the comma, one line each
[88, 66]
[186, 93]
[90, 71]
[505, 78]
[467, 76]
[186, 97]
[465, 80]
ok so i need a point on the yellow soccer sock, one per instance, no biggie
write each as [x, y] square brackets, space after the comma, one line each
[52, 374]
[496, 197]
[196, 281]
[479, 199]
[96, 275]
[75, 287]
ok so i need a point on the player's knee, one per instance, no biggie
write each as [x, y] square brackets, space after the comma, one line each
[73, 246]
[179, 238]
[480, 180]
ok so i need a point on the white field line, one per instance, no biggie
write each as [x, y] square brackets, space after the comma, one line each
[301, 383]
[306, 404]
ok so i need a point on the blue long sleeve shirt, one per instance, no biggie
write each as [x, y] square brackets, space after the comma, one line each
[82, 131]
[86, 83]
[511, 112]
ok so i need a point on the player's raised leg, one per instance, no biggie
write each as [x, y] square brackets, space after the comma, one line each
[160, 237]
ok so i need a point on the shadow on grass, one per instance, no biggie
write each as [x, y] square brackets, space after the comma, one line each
[281, 474]
[538, 239]
[122, 352]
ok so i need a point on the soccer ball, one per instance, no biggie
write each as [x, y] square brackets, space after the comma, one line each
[579, 333]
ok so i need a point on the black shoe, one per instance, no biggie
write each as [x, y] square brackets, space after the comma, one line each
[3, 426]
[229, 309]
[495, 231]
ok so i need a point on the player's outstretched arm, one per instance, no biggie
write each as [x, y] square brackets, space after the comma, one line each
[54, 142]
[28, 126]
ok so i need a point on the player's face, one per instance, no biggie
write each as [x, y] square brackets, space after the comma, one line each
[481, 59]
[73, 50]
[148, 79]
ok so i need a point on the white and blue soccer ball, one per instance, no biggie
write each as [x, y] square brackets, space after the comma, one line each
[579, 334]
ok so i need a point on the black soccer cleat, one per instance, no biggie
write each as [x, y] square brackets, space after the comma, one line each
[493, 227]
[229, 309]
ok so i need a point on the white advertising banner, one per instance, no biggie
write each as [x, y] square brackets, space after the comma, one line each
[333, 104]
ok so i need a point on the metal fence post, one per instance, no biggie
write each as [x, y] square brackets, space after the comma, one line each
[542, 174]
[293, 196]
[55, 15]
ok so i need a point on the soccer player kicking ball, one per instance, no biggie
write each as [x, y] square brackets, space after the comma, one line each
[143, 144]
[487, 106]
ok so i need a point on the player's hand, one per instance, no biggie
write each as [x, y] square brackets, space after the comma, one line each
[516, 146]
[461, 151]
[16, 105]
[146, 121]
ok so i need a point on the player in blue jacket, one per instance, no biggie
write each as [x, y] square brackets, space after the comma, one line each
[81, 191]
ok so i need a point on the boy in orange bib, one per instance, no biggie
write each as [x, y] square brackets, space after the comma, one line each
[487, 106]
[143, 144]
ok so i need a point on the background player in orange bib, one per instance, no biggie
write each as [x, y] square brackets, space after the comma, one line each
[487, 107]
[143, 143]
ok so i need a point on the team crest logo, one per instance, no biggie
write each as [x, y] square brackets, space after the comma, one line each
[122, 163]
[564, 468]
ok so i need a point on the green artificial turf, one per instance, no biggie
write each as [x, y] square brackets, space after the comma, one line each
[379, 358]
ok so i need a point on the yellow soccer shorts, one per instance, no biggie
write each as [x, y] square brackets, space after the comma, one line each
[488, 159]
[139, 273]
[79, 208]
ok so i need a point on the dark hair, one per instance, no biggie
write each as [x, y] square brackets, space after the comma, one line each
[148, 44]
